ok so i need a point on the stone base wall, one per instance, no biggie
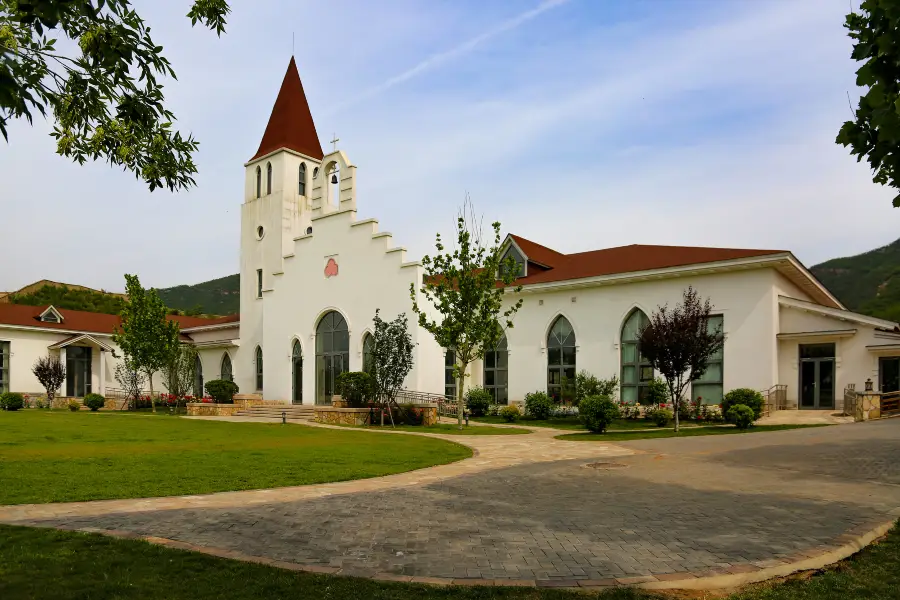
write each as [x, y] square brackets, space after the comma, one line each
[334, 415]
[207, 409]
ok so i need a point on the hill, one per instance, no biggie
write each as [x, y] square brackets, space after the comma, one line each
[64, 296]
[218, 297]
[868, 283]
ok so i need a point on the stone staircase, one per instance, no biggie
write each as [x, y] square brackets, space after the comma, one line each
[297, 412]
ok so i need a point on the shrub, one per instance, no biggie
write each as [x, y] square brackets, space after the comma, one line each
[662, 417]
[222, 390]
[563, 410]
[478, 401]
[510, 413]
[744, 396]
[597, 412]
[741, 415]
[711, 413]
[589, 385]
[74, 406]
[94, 402]
[11, 401]
[538, 405]
[657, 392]
[494, 409]
[356, 387]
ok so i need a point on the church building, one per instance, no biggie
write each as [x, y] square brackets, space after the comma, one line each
[313, 275]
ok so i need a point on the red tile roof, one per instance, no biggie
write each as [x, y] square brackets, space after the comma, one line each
[623, 259]
[77, 320]
[291, 124]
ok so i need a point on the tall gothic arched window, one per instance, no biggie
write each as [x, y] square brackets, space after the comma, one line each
[225, 372]
[332, 354]
[297, 373]
[259, 369]
[496, 371]
[368, 353]
[302, 180]
[636, 370]
[258, 181]
[268, 178]
[198, 377]
[561, 361]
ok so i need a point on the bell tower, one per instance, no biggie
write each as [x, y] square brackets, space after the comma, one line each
[278, 187]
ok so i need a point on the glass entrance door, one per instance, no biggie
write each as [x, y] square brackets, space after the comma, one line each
[817, 376]
[78, 371]
[889, 374]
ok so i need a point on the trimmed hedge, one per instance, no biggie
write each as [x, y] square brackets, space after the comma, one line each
[94, 402]
[745, 396]
[356, 387]
[741, 415]
[538, 405]
[12, 401]
[510, 413]
[597, 412]
[222, 390]
[478, 400]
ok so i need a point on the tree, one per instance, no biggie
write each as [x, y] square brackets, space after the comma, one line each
[132, 382]
[147, 338]
[875, 131]
[105, 98]
[679, 344]
[392, 358]
[179, 372]
[50, 373]
[463, 287]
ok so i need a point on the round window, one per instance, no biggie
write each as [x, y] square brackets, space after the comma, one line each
[260, 232]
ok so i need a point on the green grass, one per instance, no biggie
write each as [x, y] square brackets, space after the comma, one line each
[574, 424]
[669, 432]
[42, 564]
[60, 456]
[445, 429]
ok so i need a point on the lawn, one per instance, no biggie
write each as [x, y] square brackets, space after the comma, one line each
[39, 564]
[445, 429]
[574, 424]
[60, 456]
[668, 432]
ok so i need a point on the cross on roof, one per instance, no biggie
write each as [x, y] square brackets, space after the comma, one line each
[334, 142]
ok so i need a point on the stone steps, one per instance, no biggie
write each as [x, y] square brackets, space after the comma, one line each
[274, 411]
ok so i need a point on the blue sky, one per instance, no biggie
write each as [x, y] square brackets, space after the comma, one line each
[579, 124]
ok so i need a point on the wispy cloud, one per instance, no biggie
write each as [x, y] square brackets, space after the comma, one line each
[436, 60]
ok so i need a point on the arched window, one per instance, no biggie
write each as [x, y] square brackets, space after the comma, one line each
[309, 231]
[368, 353]
[198, 377]
[561, 361]
[449, 379]
[636, 370]
[268, 178]
[297, 373]
[259, 369]
[258, 181]
[226, 373]
[302, 180]
[496, 365]
[332, 354]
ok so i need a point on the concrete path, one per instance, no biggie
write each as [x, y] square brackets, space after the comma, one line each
[529, 510]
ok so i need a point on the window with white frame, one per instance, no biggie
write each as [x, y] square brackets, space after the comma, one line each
[709, 388]
[4, 367]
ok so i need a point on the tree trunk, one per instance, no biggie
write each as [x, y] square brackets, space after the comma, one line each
[677, 404]
[152, 403]
[460, 399]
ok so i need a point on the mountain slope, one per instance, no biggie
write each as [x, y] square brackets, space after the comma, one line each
[217, 297]
[868, 283]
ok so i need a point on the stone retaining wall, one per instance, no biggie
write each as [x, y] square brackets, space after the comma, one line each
[334, 415]
[208, 409]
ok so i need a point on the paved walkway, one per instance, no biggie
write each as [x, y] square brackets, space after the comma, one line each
[529, 510]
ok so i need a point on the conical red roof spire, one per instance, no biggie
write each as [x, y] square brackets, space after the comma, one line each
[291, 124]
